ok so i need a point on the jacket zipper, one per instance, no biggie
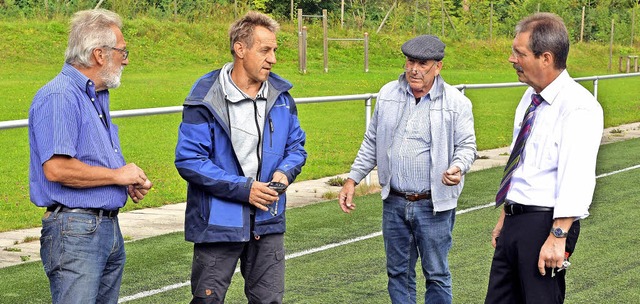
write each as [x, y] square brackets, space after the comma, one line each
[270, 129]
[255, 116]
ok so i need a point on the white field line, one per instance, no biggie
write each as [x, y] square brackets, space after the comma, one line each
[149, 293]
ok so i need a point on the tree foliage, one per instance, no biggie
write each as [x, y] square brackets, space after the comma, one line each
[457, 19]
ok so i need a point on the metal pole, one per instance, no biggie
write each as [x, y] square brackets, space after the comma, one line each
[325, 41]
[366, 52]
[367, 121]
[595, 88]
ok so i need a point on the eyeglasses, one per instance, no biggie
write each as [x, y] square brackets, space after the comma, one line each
[414, 66]
[125, 53]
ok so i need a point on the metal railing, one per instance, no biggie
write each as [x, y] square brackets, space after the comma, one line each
[367, 97]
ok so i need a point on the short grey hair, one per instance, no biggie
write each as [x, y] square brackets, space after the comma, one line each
[90, 29]
[548, 34]
[242, 29]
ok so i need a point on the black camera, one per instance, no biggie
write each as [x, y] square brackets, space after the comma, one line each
[279, 187]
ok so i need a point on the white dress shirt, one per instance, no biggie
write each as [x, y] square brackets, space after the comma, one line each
[559, 157]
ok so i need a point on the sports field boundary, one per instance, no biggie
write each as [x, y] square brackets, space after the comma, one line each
[153, 292]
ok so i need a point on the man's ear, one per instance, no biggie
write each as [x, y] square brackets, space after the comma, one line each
[99, 56]
[239, 49]
[438, 68]
[548, 59]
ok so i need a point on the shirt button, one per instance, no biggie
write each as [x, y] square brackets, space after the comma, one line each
[93, 99]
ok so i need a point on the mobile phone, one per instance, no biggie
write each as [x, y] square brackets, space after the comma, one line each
[279, 187]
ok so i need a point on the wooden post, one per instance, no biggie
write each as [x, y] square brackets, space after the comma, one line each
[633, 23]
[175, 9]
[325, 40]
[300, 41]
[341, 14]
[442, 16]
[582, 25]
[611, 45]
[415, 16]
[386, 16]
[299, 20]
[491, 23]
[304, 50]
[366, 52]
[291, 10]
[620, 64]
[429, 17]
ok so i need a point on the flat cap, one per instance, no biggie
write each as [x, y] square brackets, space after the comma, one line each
[424, 47]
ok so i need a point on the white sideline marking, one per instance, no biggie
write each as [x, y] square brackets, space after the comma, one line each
[149, 293]
[618, 171]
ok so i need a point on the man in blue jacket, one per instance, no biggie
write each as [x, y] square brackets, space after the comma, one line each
[240, 131]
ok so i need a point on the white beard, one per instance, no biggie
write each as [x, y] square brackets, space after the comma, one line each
[111, 80]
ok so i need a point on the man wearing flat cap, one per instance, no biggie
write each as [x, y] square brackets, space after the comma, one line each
[422, 140]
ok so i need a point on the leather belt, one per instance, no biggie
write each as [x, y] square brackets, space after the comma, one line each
[515, 209]
[411, 196]
[94, 211]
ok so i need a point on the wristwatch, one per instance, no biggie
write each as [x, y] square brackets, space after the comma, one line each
[558, 232]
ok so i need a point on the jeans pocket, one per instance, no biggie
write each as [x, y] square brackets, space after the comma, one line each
[80, 224]
[46, 246]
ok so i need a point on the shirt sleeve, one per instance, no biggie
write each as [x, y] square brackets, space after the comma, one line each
[465, 150]
[56, 127]
[366, 158]
[578, 151]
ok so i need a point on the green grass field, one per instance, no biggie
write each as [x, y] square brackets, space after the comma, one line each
[605, 267]
[167, 57]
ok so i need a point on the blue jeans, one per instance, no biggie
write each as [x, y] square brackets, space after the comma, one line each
[83, 257]
[411, 229]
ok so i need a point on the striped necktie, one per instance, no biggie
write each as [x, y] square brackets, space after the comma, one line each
[518, 147]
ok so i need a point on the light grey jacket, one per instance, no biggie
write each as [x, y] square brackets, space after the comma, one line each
[453, 138]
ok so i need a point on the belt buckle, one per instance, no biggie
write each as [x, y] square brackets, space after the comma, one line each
[412, 197]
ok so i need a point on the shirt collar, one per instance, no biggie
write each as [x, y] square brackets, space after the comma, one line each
[434, 93]
[232, 92]
[555, 87]
[80, 80]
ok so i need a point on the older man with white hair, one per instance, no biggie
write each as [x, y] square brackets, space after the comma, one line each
[422, 140]
[77, 169]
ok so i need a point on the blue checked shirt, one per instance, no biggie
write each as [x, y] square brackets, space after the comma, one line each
[64, 120]
[411, 148]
